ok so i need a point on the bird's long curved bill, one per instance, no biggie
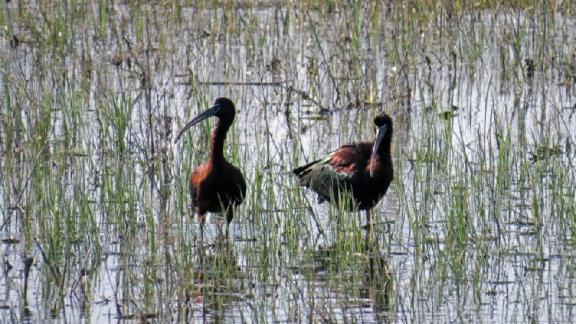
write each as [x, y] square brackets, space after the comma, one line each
[204, 115]
[379, 136]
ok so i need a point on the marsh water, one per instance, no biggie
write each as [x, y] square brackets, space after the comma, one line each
[478, 224]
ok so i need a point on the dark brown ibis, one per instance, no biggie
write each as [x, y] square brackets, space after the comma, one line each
[359, 173]
[216, 186]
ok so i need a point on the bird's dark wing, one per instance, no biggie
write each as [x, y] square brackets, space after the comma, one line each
[347, 159]
[235, 185]
[335, 172]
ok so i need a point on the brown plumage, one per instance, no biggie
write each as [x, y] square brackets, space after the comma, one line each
[360, 173]
[216, 186]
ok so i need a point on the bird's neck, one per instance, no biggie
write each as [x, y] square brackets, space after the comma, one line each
[384, 150]
[218, 138]
[388, 140]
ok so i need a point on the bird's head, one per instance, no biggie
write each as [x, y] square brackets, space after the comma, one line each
[223, 108]
[383, 138]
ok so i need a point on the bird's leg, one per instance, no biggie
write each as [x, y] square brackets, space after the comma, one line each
[369, 221]
[220, 234]
[201, 229]
[200, 246]
[229, 216]
[228, 212]
[368, 227]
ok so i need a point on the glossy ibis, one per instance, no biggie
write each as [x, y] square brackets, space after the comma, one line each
[216, 186]
[359, 173]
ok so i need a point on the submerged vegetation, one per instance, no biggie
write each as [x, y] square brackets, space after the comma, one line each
[478, 224]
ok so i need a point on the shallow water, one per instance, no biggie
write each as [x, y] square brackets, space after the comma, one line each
[477, 226]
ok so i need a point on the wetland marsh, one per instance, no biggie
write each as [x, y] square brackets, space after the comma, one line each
[478, 225]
